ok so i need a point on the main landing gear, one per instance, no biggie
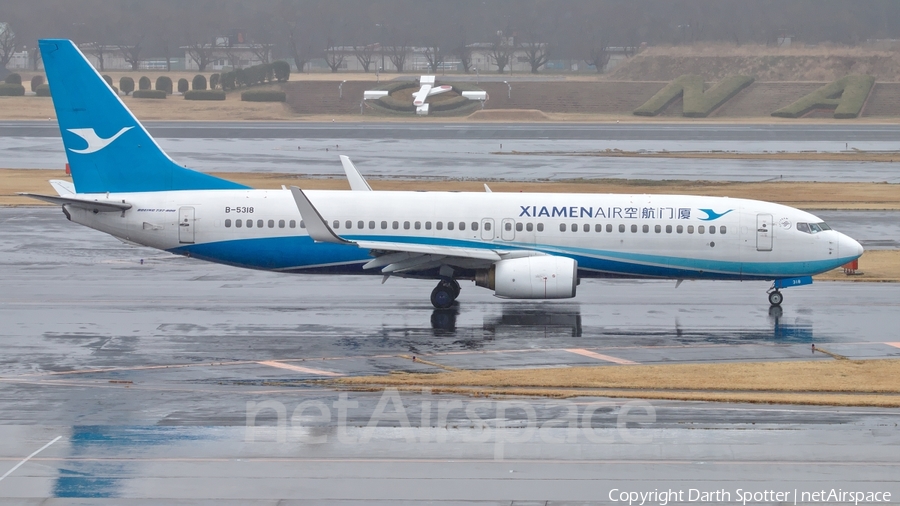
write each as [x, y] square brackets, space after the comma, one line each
[445, 293]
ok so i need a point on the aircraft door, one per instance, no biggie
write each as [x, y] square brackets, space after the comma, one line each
[507, 229]
[487, 229]
[764, 232]
[186, 225]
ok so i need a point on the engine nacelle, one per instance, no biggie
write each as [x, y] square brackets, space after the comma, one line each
[537, 277]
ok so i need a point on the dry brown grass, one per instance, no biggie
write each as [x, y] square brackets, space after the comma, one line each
[839, 382]
[845, 156]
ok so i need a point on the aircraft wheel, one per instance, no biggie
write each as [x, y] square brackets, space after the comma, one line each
[442, 296]
[456, 288]
[775, 298]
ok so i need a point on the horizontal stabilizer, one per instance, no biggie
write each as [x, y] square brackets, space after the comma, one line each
[100, 206]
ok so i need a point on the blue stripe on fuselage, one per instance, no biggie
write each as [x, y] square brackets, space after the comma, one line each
[300, 253]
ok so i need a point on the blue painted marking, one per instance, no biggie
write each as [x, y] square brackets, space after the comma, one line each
[789, 282]
[301, 252]
[712, 215]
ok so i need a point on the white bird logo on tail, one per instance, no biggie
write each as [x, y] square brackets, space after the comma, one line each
[94, 141]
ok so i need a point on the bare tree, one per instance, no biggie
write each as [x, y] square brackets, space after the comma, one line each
[201, 53]
[334, 56]
[300, 50]
[8, 44]
[364, 55]
[501, 53]
[464, 53]
[397, 54]
[99, 50]
[537, 54]
[435, 56]
[599, 55]
[131, 54]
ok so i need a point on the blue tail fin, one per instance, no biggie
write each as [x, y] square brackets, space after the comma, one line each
[107, 147]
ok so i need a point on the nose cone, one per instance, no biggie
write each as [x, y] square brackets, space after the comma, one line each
[849, 247]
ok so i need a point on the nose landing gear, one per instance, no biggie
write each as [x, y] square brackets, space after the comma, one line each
[445, 293]
[775, 298]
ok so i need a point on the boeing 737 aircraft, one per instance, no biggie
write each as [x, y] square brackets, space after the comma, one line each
[520, 245]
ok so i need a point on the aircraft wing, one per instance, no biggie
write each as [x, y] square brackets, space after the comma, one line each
[401, 256]
[101, 206]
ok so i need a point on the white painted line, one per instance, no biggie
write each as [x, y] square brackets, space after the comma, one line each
[895, 345]
[29, 457]
[297, 368]
[599, 356]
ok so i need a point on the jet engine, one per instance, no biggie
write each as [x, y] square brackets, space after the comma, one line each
[537, 277]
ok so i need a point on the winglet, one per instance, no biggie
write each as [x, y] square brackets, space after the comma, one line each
[487, 188]
[357, 182]
[315, 224]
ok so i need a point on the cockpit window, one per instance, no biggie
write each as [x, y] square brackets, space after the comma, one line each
[812, 228]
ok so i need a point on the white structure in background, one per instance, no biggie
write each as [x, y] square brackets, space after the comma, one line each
[427, 89]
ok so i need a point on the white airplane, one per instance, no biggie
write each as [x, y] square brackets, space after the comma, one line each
[520, 245]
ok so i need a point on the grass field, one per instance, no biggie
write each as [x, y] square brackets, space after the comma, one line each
[823, 382]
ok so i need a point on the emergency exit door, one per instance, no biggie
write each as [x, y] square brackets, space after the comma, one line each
[764, 232]
[186, 225]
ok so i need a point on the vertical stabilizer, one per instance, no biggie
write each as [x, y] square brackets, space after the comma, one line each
[107, 147]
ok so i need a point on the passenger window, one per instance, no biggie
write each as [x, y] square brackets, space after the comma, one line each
[562, 227]
[372, 225]
[712, 229]
[574, 227]
[529, 227]
[657, 229]
[227, 223]
[622, 228]
[302, 224]
[335, 224]
[383, 225]
[609, 227]
[360, 224]
[427, 225]
[634, 229]
[508, 226]
[238, 223]
[701, 229]
[293, 224]
[540, 227]
[598, 228]
[395, 225]
[474, 225]
[462, 225]
[487, 225]
[690, 229]
[668, 229]
[680, 229]
[450, 225]
[348, 224]
[280, 223]
[418, 225]
[722, 230]
[249, 223]
[587, 227]
[645, 228]
[519, 227]
[439, 225]
[271, 223]
[405, 225]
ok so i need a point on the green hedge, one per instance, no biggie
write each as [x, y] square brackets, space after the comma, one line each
[257, 74]
[453, 106]
[846, 97]
[214, 81]
[126, 84]
[11, 90]
[204, 95]
[696, 103]
[13, 79]
[282, 70]
[43, 90]
[183, 85]
[144, 83]
[36, 81]
[263, 96]
[149, 94]
[198, 83]
[164, 83]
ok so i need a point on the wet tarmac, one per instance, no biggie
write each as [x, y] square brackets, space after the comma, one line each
[486, 151]
[170, 379]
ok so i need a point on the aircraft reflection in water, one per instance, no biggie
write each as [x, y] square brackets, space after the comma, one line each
[549, 321]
